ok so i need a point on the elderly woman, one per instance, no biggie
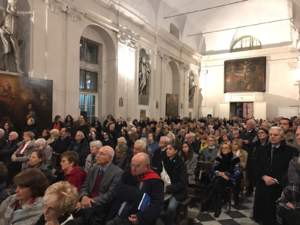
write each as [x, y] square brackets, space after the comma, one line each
[91, 158]
[41, 145]
[226, 171]
[72, 172]
[59, 203]
[24, 150]
[26, 206]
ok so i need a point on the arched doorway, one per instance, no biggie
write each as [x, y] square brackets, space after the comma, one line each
[97, 73]
[172, 90]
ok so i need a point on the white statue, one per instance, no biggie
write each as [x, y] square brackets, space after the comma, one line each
[144, 74]
[8, 35]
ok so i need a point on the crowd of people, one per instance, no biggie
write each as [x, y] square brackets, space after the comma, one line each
[120, 172]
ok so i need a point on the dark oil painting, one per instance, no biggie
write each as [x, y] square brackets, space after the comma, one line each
[245, 75]
[172, 105]
[21, 97]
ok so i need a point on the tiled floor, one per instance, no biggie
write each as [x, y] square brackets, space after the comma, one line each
[241, 216]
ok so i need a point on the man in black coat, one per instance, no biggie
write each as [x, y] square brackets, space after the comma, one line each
[272, 165]
[81, 146]
[144, 196]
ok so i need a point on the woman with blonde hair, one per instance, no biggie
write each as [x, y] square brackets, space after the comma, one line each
[60, 201]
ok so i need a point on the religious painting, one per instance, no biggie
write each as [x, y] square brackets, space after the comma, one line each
[192, 89]
[144, 77]
[172, 104]
[245, 75]
[21, 98]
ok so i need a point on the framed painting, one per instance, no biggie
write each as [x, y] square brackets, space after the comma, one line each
[245, 75]
[172, 105]
[21, 97]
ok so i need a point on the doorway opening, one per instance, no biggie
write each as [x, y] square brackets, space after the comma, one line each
[241, 109]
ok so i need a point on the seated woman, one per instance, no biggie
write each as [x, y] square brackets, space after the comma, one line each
[37, 160]
[72, 172]
[226, 171]
[190, 160]
[176, 170]
[26, 206]
[243, 156]
[210, 153]
[59, 204]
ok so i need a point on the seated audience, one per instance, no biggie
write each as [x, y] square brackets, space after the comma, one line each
[142, 181]
[91, 158]
[26, 206]
[41, 145]
[190, 159]
[60, 202]
[98, 189]
[176, 170]
[9, 148]
[38, 160]
[209, 154]
[226, 171]
[122, 157]
[81, 147]
[24, 150]
[72, 172]
[3, 182]
[2, 138]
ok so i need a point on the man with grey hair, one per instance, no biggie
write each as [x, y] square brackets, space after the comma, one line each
[271, 165]
[139, 146]
[99, 186]
[91, 158]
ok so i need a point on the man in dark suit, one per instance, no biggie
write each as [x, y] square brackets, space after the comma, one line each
[101, 180]
[272, 165]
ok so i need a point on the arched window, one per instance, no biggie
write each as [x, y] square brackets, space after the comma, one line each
[245, 43]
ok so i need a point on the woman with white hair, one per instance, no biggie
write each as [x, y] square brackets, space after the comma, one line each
[91, 158]
[59, 204]
[41, 145]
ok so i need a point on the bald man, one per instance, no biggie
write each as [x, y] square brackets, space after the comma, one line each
[101, 180]
[148, 185]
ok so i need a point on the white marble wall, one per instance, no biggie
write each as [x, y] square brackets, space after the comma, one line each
[57, 27]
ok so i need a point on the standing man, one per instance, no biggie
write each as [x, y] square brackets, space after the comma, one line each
[248, 137]
[272, 165]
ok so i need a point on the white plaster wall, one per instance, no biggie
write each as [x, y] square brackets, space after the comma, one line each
[55, 55]
[280, 80]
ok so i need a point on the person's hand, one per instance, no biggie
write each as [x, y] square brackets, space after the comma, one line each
[13, 157]
[86, 202]
[290, 205]
[269, 181]
[133, 219]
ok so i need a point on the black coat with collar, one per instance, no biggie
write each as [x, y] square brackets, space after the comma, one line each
[176, 170]
[266, 196]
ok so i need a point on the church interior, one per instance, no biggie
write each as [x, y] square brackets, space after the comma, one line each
[149, 112]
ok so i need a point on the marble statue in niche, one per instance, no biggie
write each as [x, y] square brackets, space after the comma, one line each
[10, 52]
[192, 89]
[144, 77]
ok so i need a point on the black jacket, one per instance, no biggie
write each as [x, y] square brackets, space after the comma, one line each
[8, 149]
[176, 170]
[134, 187]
